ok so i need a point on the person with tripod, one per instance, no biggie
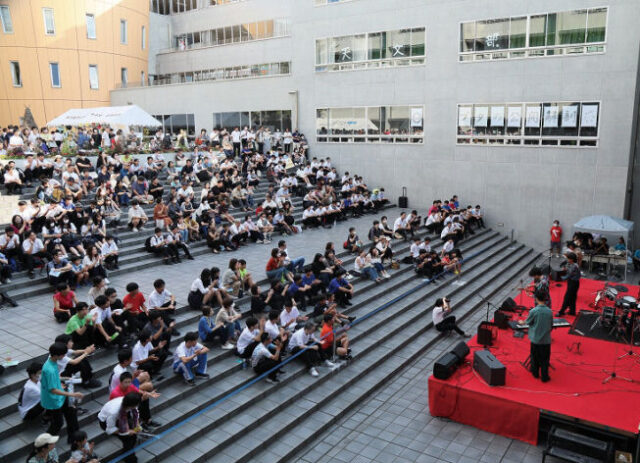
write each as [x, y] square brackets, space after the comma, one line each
[540, 321]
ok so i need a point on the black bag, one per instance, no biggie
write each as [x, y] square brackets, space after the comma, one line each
[403, 201]
[147, 245]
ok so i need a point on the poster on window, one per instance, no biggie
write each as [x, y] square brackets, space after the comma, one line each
[550, 116]
[514, 116]
[482, 114]
[416, 117]
[497, 116]
[570, 116]
[589, 116]
[533, 116]
[464, 116]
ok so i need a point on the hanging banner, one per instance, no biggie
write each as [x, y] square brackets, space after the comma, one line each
[570, 116]
[514, 116]
[497, 116]
[550, 116]
[533, 116]
[416, 117]
[482, 114]
[589, 116]
[464, 116]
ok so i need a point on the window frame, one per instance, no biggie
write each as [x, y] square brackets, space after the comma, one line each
[45, 10]
[97, 87]
[2, 19]
[124, 72]
[95, 30]
[13, 64]
[124, 32]
[51, 64]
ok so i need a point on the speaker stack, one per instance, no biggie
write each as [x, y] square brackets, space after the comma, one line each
[446, 365]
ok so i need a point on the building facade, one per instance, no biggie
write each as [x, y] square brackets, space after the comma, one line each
[63, 54]
[527, 108]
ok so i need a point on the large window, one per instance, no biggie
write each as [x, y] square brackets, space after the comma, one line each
[372, 124]
[15, 73]
[123, 31]
[246, 32]
[279, 119]
[401, 47]
[550, 34]
[174, 123]
[93, 77]
[54, 70]
[230, 73]
[49, 23]
[5, 17]
[567, 124]
[182, 6]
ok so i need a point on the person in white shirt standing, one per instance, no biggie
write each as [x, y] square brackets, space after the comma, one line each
[235, 139]
[190, 355]
[29, 398]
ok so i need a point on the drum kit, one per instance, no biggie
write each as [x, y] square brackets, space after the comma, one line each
[617, 313]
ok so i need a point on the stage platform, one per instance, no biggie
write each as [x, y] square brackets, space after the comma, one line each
[576, 392]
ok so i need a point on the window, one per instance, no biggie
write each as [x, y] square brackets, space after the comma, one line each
[123, 31]
[15, 74]
[376, 124]
[279, 119]
[93, 77]
[372, 50]
[49, 24]
[144, 37]
[55, 74]
[123, 77]
[142, 78]
[91, 26]
[5, 17]
[571, 124]
[551, 34]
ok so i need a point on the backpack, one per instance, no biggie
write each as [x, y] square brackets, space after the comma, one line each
[147, 245]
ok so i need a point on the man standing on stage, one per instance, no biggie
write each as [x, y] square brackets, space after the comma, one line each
[540, 321]
[573, 284]
[556, 238]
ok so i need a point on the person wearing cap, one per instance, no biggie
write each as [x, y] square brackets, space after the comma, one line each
[44, 449]
[53, 398]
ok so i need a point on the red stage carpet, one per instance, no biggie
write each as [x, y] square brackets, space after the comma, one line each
[575, 390]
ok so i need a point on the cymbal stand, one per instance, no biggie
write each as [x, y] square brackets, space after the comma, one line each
[613, 373]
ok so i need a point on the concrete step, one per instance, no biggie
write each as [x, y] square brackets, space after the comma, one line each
[172, 383]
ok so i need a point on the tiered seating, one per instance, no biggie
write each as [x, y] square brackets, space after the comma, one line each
[252, 425]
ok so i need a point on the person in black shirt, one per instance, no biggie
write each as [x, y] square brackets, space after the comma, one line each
[258, 304]
[573, 284]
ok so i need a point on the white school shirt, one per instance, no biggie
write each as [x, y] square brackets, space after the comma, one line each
[448, 247]
[110, 413]
[157, 240]
[398, 223]
[272, 328]
[108, 247]
[157, 299]
[198, 286]
[299, 339]
[10, 243]
[183, 351]
[246, 338]
[37, 246]
[115, 376]
[438, 315]
[140, 352]
[415, 250]
[445, 231]
[235, 136]
[286, 317]
[103, 314]
[30, 397]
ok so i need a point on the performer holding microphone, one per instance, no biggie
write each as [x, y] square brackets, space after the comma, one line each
[443, 320]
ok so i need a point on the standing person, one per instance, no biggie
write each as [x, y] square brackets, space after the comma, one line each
[573, 284]
[119, 417]
[53, 398]
[556, 238]
[540, 321]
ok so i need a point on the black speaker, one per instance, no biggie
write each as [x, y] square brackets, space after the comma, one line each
[403, 201]
[487, 332]
[509, 305]
[501, 319]
[492, 371]
[461, 350]
[445, 366]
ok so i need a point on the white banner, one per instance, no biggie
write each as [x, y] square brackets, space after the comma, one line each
[589, 116]
[464, 116]
[482, 114]
[551, 116]
[569, 116]
[497, 116]
[416, 117]
[533, 116]
[514, 116]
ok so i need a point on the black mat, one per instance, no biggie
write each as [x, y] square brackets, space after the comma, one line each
[582, 327]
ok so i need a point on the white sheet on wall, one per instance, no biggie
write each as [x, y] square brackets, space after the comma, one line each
[497, 116]
[589, 116]
[551, 116]
[514, 116]
[533, 116]
[570, 116]
[482, 114]
[464, 116]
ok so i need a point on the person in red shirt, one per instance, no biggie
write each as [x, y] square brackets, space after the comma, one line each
[556, 238]
[327, 335]
[125, 387]
[64, 303]
[135, 311]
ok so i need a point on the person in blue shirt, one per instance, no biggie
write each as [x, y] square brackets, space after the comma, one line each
[636, 260]
[301, 292]
[620, 246]
[53, 398]
[341, 289]
[208, 330]
[309, 279]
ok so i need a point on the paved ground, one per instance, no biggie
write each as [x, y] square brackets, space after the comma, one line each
[28, 330]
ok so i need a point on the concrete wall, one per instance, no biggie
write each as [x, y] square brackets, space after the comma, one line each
[523, 187]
